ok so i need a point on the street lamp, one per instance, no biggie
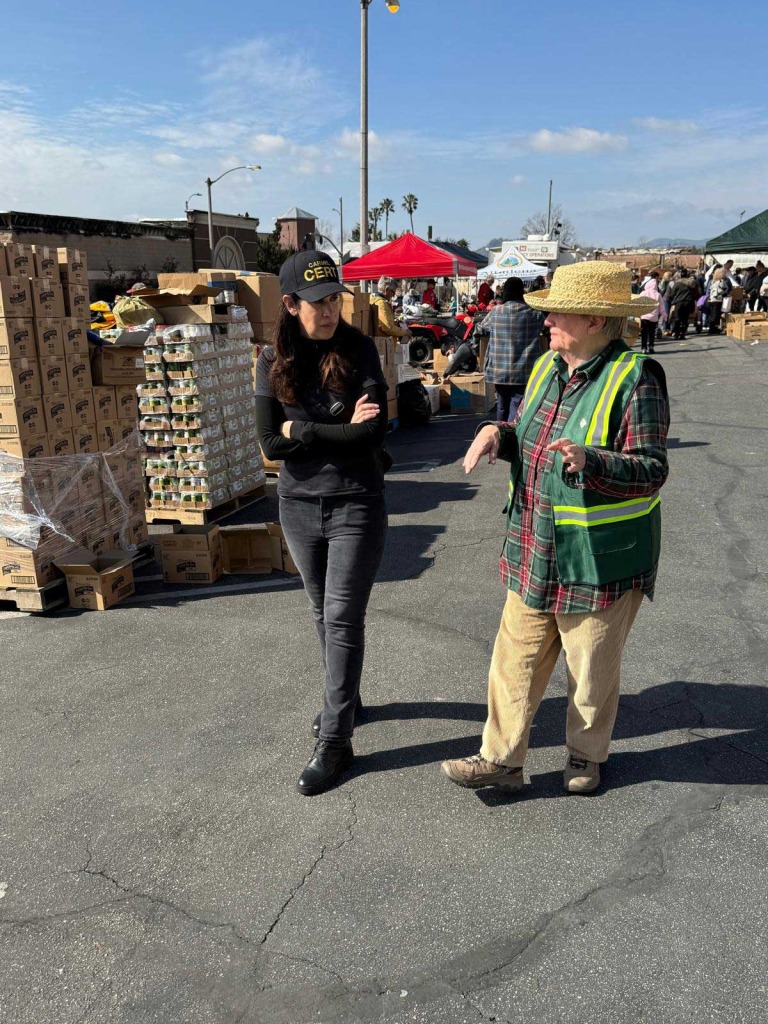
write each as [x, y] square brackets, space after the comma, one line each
[212, 181]
[393, 6]
[186, 202]
[340, 212]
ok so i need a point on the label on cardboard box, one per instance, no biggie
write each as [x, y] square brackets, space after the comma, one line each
[30, 447]
[127, 403]
[58, 412]
[104, 400]
[86, 442]
[191, 554]
[53, 375]
[15, 297]
[47, 297]
[19, 259]
[46, 262]
[123, 364]
[21, 417]
[76, 300]
[62, 443]
[83, 408]
[17, 339]
[106, 434]
[75, 333]
[78, 371]
[26, 569]
[49, 337]
[19, 378]
[72, 265]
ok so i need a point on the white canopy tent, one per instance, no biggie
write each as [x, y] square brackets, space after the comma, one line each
[511, 263]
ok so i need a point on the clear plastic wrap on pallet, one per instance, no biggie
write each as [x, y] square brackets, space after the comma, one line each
[50, 505]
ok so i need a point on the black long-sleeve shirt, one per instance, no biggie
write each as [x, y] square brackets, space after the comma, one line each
[325, 455]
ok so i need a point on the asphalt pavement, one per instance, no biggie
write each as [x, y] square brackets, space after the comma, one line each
[158, 865]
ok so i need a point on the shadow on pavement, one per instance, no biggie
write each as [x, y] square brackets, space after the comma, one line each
[737, 759]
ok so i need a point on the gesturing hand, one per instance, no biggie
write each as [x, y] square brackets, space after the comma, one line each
[365, 410]
[574, 456]
[486, 443]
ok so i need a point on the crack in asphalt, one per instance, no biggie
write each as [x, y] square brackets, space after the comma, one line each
[642, 872]
[308, 874]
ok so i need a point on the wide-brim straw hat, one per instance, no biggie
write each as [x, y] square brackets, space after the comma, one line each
[597, 288]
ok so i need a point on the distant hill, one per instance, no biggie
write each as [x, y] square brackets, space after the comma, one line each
[675, 243]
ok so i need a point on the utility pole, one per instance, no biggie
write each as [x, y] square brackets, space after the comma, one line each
[549, 207]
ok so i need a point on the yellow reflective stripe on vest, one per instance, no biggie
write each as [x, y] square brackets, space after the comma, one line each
[537, 377]
[596, 515]
[598, 428]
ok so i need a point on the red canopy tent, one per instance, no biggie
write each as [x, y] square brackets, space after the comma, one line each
[408, 256]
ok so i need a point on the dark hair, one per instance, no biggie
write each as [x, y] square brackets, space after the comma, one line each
[293, 372]
[654, 274]
[512, 290]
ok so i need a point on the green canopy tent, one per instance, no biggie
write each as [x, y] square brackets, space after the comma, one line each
[751, 236]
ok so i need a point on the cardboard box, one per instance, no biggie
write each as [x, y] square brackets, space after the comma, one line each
[58, 413]
[46, 262]
[191, 554]
[73, 266]
[126, 403]
[471, 393]
[257, 549]
[198, 314]
[119, 364]
[83, 408]
[47, 297]
[20, 378]
[261, 296]
[78, 372]
[77, 301]
[97, 582]
[49, 337]
[85, 440]
[53, 375]
[123, 429]
[15, 297]
[74, 331]
[263, 333]
[19, 260]
[106, 434]
[29, 447]
[439, 361]
[135, 497]
[21, 417]
[17, 339]
[137, 529]
[62, 443]
[104, 400]
[391, 409]
[26, 569]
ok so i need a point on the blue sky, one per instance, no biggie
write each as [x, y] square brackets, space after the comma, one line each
[651, 119]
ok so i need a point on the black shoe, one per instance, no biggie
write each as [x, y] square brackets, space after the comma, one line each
[330, 760]
[358, 719]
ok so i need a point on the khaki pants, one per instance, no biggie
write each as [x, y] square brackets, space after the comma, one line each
[526, 649]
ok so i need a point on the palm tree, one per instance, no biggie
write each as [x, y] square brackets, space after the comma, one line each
[410, 202]
[373, 217]
[386, 206]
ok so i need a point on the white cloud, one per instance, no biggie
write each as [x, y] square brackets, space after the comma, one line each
[168, 159]
[576, 140]
[518, 180]
[659, 124]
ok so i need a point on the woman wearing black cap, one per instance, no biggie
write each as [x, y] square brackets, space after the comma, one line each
[321, 404]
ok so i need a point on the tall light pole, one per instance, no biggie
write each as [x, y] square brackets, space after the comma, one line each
[212, 181]
[186, 201]
[393, 6]
[340, 212]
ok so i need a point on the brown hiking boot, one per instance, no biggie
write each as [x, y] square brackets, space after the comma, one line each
[475, 772]
[580, 775]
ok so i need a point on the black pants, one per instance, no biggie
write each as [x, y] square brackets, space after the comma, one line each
[680, 321]
[713, 317]
[337, 544]
[508, 399]
[647, 334]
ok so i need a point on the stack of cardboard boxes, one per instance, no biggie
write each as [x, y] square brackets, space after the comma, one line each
[388, 355]
[197, 408]
[746, 326]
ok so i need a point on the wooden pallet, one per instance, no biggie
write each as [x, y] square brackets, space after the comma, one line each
[185, 517]
[54, 595]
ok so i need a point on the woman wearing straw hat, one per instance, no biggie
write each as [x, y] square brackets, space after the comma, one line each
[588, 458]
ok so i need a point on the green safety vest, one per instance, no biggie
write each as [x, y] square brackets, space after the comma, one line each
[598, 540]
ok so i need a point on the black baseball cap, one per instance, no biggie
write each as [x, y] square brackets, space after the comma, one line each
[311, 275]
